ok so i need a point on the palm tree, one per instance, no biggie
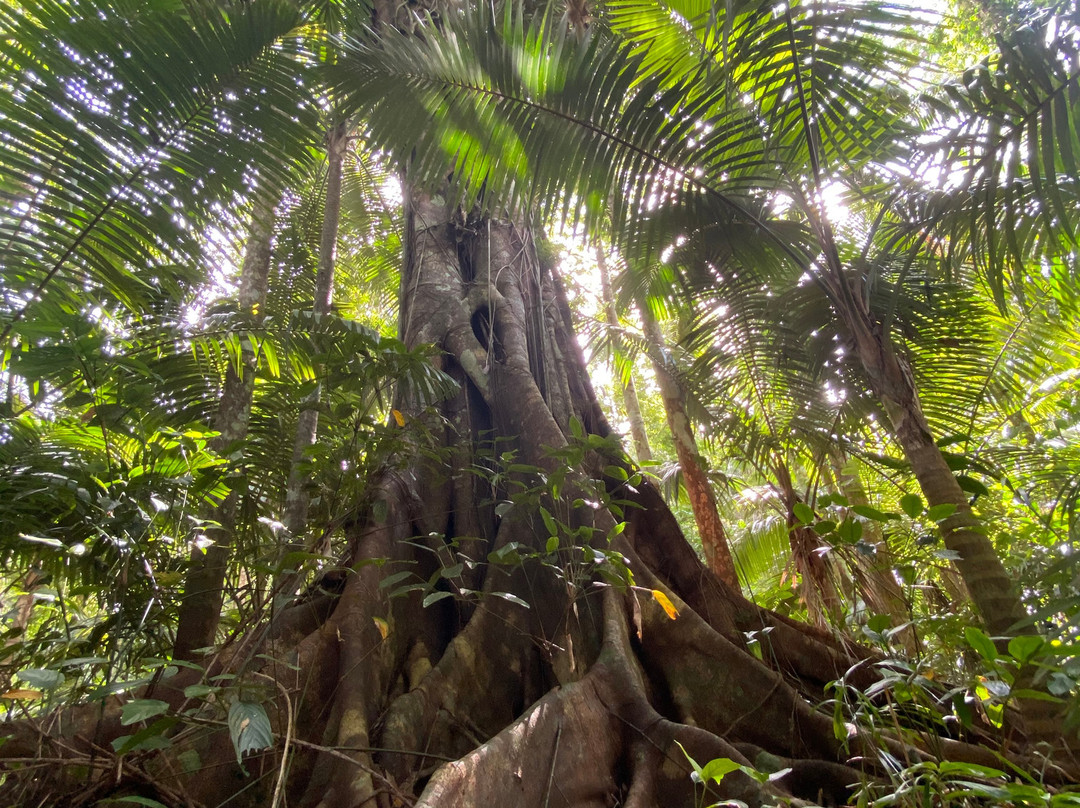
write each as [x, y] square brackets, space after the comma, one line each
[625, 385]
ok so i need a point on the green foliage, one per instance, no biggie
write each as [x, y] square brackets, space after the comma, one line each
[712, 774]
[127, 132]
[704, 138]
[249, 728]
[134, 142]
[963, 785]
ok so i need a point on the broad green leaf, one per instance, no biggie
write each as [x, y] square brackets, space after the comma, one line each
[141, 709]
[396, 577]
[850, 530]
[718, 768]
[873, 514]
[151, 737]
[1035, 695]
[981, 643]
[616, 472]
[911, 504]
[972, 486]
[189, 761]
[549, 521]
[803, 512]
[42, 678]
[1024, 648]
[937, 513]
[879, 622]
[435, 597]
[249, 728]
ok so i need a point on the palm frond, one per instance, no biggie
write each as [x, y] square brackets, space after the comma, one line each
[1005, 144]
[533, 118]
[126, 130]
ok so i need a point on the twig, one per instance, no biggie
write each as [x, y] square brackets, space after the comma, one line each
[554, 757]
[276, 799]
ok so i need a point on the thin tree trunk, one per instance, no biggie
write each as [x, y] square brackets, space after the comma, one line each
[200, 608]
[698, 488]
[824, 603]
[626, 387]
[992, 589]
[307, 425]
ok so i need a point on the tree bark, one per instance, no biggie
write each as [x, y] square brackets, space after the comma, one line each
[624, 383]
[200, 607]
[991, 588]
[878, 585]
[698, 488]
[824, 603]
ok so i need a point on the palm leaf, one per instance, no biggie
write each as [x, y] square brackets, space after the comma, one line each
[126, 128]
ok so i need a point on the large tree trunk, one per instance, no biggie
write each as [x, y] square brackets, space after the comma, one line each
[200, 608]
[554, 640]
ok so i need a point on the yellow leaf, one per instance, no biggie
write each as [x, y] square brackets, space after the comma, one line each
[255, 309]
[666, 603]
[398, 417]
[382, 626]
[21, 694]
